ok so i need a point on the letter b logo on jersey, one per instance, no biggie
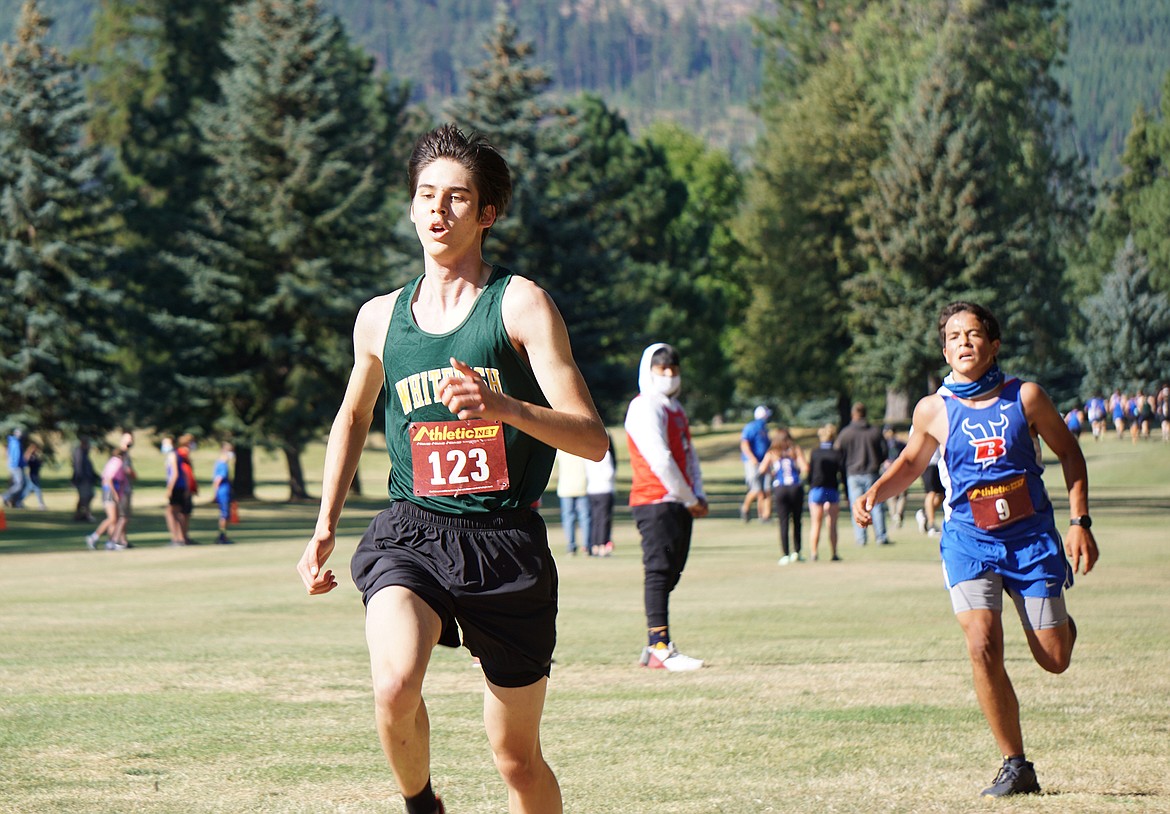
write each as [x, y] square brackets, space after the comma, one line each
[988, 441]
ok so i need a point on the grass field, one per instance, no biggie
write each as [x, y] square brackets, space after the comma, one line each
[202, 679]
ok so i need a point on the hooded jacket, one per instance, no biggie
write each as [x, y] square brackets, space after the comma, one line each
[664, 465]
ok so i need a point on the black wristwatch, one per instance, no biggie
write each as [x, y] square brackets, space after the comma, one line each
[1084, 521]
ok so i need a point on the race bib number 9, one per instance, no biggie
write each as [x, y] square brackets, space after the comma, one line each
[1000, 504]
[458, 457]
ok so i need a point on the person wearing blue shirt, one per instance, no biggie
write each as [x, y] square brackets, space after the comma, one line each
[1000, 533]
[753, 446]
[221, 486]
[15, 495]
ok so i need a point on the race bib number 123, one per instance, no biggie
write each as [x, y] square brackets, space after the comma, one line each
[458, 457]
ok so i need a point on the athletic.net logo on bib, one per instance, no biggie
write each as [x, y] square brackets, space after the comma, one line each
[458, 457]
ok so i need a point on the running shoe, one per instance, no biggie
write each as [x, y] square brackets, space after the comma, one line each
[1015, 777]
[666, 657]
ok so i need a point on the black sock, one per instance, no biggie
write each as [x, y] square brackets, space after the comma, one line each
[424, 802]
[1017, 760]
[658, 635]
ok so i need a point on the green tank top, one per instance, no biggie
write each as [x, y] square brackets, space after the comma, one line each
[416, 361]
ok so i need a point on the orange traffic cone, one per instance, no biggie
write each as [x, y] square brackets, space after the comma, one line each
[233, 513]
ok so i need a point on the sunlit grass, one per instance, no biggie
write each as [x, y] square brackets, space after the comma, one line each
[203, 680]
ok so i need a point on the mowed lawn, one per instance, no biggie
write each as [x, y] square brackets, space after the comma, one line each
[202, 679]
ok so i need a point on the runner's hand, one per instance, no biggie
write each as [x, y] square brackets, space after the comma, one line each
[1081, 548]
[862, 507]
[312, 565]
[467, 395]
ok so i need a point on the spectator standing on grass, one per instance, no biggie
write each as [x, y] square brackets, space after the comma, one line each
[863, 450]
[894, 447]
[126, 496]
[221, 487]
[478, 361]
[115, 482]
[1117, 412]
[1096, 412]
[1075, 422]
[1000, 535]
[1162, 408]
[84, 479]
[14, 497]
[574, 498]
[34, 461]
[666, 495]
[785, 466]
[177, 494]
[600, 485]
[826, 480]
[753, 445]
[1145, 414]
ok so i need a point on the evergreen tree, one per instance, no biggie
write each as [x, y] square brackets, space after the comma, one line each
[58, 311]
[292, 236]
[932, 233]
[811, 172]
[585, 197]
[1139, 200]
[1127, 341]
[701, 260]
[154, 63]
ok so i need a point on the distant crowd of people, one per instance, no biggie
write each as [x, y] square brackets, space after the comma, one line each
[116, 481]
[1137, 413]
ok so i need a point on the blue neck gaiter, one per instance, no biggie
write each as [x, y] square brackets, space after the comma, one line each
[990, 380]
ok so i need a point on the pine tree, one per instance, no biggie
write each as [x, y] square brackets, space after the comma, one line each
[811, 173]
[58, 310]
[1139, 204]
[1127, 340]
[154, 63]
[583, 193]
[931, 231]
[293, 235]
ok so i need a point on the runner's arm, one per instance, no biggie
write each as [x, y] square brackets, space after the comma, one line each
[347, 437]
[910, 463]
[539, 334]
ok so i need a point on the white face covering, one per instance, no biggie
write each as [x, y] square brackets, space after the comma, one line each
[666, 385]
[167, 448]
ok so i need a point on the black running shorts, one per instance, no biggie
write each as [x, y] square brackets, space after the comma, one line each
[490, 575]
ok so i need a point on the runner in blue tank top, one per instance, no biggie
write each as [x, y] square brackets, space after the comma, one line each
[481, 386]
[999, 535]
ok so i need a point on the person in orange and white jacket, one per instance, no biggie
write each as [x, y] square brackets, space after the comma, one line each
[666, 495]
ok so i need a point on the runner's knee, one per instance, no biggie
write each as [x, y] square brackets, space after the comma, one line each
[520, 769]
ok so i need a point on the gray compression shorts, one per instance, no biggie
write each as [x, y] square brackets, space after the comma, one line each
[985, 592]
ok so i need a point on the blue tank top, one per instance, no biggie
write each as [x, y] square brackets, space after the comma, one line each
[785, 473]
[987, 446]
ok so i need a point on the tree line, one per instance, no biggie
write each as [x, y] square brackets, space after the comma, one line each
[196, 203]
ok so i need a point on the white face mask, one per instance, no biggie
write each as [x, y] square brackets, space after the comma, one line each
[167, 448]
[666, 385]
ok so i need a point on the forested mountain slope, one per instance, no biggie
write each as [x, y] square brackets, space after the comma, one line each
[697, 62]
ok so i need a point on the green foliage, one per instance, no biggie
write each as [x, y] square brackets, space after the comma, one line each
[1127, 339]
[291, 234]
[154, 64]
[58, 310]
[812, 169]
[1141, 197]
[1117, 57]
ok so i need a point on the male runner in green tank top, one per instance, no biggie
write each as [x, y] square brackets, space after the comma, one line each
[481, 387]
